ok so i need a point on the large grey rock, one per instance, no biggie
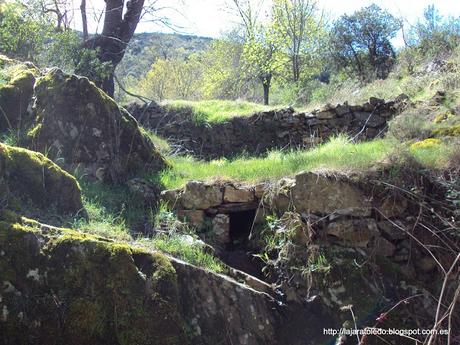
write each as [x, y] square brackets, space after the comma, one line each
[316, 193]
[238, 194]
[201, 196]
[81, 127]
[354, 233]
[144, 190]
[29, 180]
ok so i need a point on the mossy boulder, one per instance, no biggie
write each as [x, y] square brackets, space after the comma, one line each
[29, 181]
[59, 286]
[16, 94]
[82, 127]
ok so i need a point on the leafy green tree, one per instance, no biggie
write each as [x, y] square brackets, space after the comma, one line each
[21, 36]
[222, 70]
[26, 34]
[172, 79]
[187, 75]
[263, 57]
[156, 82]
[360, 42]
[299, 26]
[434, 34]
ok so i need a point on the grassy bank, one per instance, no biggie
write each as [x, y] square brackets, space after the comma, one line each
[213, 111]
[337, 154]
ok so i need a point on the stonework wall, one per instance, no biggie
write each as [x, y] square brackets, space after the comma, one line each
[261, 132]
[202, 204]
[345, 209]
[341, 219]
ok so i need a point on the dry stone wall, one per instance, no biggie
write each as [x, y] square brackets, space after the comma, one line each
[261, 132]
[347, 212]
[331, 217]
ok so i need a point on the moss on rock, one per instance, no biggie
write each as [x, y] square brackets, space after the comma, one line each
[16, 95]
[28, 179]
[451, 131]
[78, 123]
[59, 286]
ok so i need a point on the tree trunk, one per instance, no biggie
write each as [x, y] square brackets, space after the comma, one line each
[84, 19]
[111, 44]
[266, 94]
[266, 81]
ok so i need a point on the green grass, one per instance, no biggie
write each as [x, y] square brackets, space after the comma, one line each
[180, 247]
[161, 144]
[214, 111]
[10, 138]
[337, 154]
[113, 213]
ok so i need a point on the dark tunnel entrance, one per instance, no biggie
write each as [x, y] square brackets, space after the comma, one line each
[238, 253]
[240, 227]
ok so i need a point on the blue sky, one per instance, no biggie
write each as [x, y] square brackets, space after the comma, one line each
[212, 17]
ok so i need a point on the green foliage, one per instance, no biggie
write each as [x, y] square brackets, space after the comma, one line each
[434, 34]
[61, 50]
[10, 138]
[262, 56]
[102, 221]
[88, 64]
[185, 248]
[113, 211]
[145, 48]
[172, 79]
[21, 36]
[161, 144]
[361, 42]
[299, 29]
[223, 72]
[25, 34]
[317, 262]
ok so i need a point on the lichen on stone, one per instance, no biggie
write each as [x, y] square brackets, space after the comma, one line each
[28, 178]
[80, 125]
[89, 290]
[16, 95]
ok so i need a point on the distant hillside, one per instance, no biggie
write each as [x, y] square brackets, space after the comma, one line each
[145, 48]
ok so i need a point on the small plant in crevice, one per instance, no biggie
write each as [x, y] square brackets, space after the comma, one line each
[176, 238]
[166, 222]
[11, 138]
[317, 262]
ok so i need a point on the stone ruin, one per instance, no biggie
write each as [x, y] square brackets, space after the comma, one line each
[349, 219]
[230, 211]
[268, 130]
